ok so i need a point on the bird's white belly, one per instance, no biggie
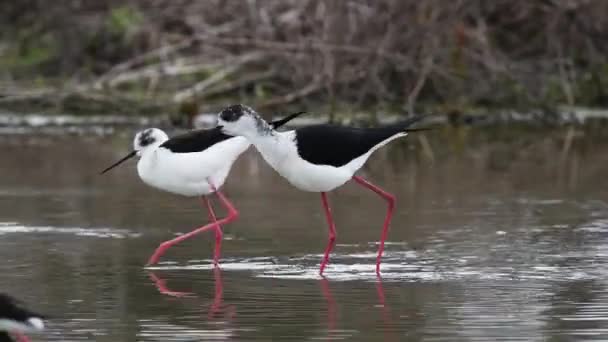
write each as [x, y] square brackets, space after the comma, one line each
[180, 187]
[315, 178]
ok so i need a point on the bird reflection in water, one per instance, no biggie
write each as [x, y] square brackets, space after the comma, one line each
[161, 285]
[386, 311]
[217, 306]
[331, 305]
[332, 310]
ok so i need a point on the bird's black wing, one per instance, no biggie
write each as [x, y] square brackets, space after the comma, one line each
[338, 145]
[195, 141]
[201, 139]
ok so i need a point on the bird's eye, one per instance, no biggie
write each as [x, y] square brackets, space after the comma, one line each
[225, 115]
[230, 114]
[146, 138]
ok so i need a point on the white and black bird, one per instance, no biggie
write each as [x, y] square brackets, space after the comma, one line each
[192, 164]
[318, 158]
[16, 320]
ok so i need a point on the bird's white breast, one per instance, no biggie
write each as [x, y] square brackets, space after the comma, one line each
[188, 173]
[281, 153]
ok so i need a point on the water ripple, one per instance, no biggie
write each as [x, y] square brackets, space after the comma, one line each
[15, 228]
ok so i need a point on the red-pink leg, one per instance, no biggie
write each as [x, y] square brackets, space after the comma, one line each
[332, 232]
[233, 214]
[21, 337]
[218, 232]
[390, 199]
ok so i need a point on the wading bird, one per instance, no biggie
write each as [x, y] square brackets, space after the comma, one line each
[318, 158]
[17, 320]
[192, 164]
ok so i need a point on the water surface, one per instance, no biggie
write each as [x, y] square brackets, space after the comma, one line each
[493, 239]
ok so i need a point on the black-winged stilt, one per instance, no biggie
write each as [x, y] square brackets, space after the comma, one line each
[192, 164]
[16, 320]
[318, 158]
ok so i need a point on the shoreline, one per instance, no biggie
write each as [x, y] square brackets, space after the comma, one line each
[566, 116]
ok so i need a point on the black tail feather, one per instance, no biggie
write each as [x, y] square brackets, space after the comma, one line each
[403, 126]
[421, 129]
[283, 121]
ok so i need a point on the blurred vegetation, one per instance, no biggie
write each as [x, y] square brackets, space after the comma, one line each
[145, 56]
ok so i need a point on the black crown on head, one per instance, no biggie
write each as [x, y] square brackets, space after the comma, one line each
[234, 112]
[146, 138]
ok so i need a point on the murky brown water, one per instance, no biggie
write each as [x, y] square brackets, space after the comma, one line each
[497, 239]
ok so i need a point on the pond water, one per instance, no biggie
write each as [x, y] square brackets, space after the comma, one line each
[494, 238]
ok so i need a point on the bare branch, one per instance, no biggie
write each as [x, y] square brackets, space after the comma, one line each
[220, 75]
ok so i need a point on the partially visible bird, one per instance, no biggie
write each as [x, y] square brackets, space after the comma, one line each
[16, 320]
[192, 164]
[318, 158]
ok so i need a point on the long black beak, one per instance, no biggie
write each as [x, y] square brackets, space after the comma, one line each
[125, 158]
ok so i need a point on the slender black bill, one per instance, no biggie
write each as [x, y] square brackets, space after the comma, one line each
[127, 157]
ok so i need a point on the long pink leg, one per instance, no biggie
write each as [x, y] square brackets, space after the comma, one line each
[390, 199]
[218, 232]
[21, 337]
[233, 214]
[332, 232]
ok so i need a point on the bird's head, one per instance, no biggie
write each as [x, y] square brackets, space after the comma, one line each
[240, 120]
[145, 140]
